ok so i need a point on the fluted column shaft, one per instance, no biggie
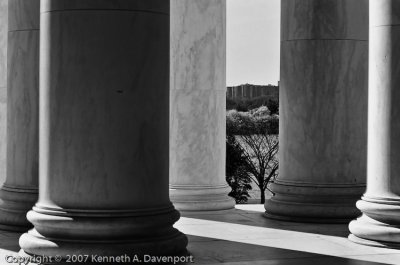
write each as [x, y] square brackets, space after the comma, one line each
[19, 192]
[380, 223]
[104, 130]
[198, 98]
[323, 110]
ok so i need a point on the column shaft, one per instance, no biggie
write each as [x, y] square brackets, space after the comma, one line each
[104, 104]
[3, 86]
[19, 192]
[198, 99]
[380, 223]
[323, 110]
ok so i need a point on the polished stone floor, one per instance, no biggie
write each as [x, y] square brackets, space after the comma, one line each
[243, 237]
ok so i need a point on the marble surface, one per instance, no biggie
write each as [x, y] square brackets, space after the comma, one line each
[197, 137]
[324, 19]
[19, 192]
[384, 13]
[104, 110]
[323, 111]
[104, 126]
[198, 45]
[3, 86]
[244, 236]
[226, 237]
[323, 129]
[152, 6]
[23, 108]
[197, 100]
[22, 16]
[380, 205]
[384, 128]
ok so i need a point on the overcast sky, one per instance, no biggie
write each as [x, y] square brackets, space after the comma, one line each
[253, 36]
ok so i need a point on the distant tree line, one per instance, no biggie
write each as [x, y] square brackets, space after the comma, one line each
[244, 105]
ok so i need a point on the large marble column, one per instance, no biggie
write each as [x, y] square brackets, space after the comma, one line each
[380, 223]
[104, 131]
[20, 190]
[3, 86]
[198, 99]
[323, 111]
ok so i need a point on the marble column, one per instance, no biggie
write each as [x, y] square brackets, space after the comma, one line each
[323, 111]
[104, 131]
[198, 99]
[3, 86]
[20, 190]
[380, 223]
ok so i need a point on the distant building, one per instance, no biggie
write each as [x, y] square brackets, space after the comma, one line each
[248, 91]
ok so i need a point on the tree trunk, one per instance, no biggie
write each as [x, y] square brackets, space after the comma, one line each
[262, 196]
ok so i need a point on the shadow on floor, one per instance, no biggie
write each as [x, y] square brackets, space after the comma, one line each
[211, 251]
[214, 251]
[257, 218]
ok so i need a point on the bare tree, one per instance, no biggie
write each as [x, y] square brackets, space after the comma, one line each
[261, 161]
[257, 135]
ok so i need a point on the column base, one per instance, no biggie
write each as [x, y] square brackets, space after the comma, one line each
[379, 225]
[15, 202]
[105, 233]
[316, 220]
[201, 197]
[313, 204]
[373, 243]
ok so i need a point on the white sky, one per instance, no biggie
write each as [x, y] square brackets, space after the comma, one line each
[253, 37]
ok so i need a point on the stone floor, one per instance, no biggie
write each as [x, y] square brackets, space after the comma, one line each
[243, 237]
